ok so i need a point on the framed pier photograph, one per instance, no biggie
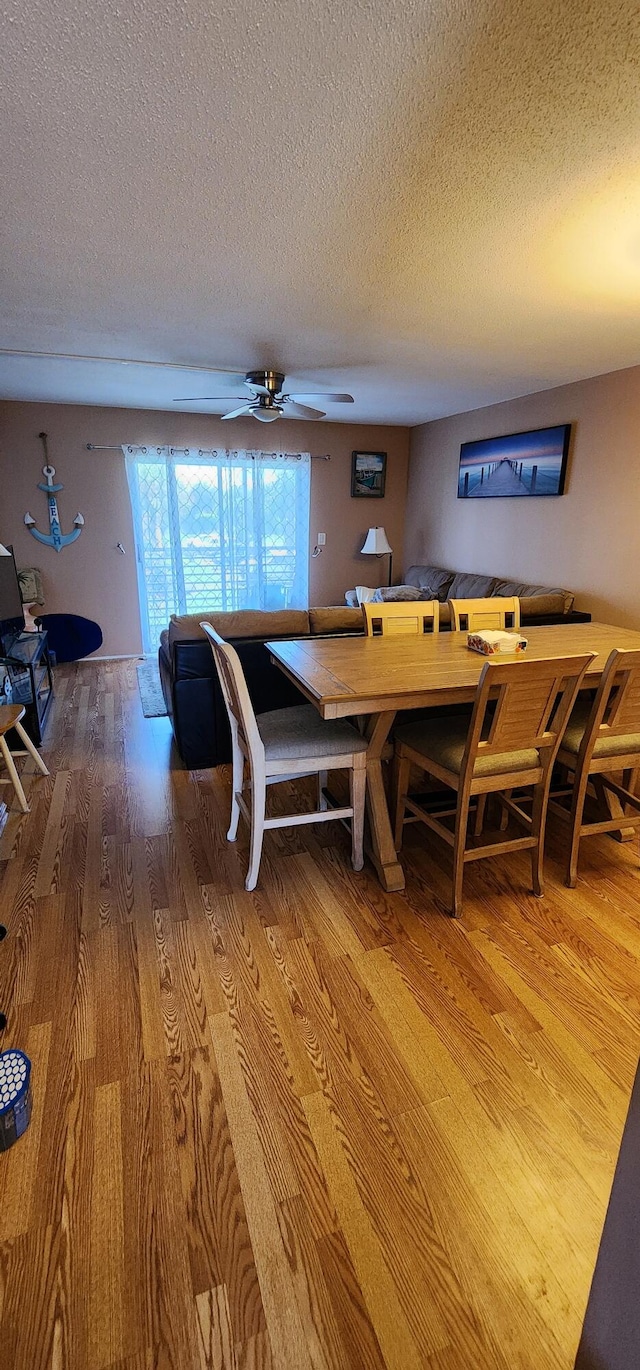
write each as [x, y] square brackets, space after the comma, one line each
[515, 467]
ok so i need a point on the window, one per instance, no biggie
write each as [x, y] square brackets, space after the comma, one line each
[218, 530]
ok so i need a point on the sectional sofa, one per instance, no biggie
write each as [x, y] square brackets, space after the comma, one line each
[538, 603]
[188, 675]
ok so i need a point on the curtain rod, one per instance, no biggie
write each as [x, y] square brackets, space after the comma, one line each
[117, 447]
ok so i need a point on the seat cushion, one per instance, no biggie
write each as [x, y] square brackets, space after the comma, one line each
[292, 734]
[624, 745]
[443, 740]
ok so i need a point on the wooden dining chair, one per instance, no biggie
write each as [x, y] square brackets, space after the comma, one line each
[472, 615]
[602, 739]
[519, 715]
[285, 744]
[10, 716]
[412, 616]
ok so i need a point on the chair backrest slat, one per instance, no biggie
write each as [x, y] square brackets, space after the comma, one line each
[472, 615]
[401, 616]
[532, 704]
[242, 719]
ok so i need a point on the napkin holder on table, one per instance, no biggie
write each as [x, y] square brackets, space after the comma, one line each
[494, 642]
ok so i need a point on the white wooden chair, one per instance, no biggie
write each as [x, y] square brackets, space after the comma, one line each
[10, 715]
[285, 744]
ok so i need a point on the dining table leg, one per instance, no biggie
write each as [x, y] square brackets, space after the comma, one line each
[381, 848]
[612, 806]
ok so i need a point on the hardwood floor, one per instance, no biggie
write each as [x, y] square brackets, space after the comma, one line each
[318, 1126]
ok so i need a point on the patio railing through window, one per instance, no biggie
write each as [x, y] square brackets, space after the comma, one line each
[218, 531]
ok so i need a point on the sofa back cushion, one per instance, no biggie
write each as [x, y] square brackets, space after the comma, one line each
[469, 585]
[548, 601]
[434, 581]
[261, 623]
[336, 619]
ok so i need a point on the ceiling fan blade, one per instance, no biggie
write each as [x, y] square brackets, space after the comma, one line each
[257, 389]
[235, 413]
[303, 411]
[216, 399]
[324, 395]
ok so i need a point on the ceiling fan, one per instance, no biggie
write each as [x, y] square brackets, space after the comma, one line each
[267, 400]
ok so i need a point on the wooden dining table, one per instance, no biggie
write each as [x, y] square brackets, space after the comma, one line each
[377, 676]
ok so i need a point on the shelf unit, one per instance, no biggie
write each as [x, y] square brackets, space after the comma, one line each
[26, 659]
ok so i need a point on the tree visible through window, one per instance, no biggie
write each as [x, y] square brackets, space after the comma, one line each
[218, 530]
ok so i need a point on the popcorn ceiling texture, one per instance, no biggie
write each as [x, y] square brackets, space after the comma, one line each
[425, 203]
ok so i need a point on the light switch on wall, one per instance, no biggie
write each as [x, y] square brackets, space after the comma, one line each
[322, 539]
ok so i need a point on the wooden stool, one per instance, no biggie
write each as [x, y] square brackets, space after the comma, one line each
[10, 715]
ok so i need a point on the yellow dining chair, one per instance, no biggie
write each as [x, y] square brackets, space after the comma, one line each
[602, 738]
[505, 747]
[472, 615]
[405, 616]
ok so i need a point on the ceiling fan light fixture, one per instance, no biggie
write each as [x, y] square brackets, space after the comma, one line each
[267, 415]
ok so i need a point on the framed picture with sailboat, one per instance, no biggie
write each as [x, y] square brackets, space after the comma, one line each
[368, 474]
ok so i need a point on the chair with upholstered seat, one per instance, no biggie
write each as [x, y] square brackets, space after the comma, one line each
[285, 744]
[602, 738]
[519, 714]
[421, 616]
[472, 615]
[10, 716]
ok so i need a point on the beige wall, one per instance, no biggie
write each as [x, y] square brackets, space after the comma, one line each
[92, 578]
[586, 541]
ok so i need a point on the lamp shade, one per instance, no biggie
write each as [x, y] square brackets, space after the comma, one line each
[4, 552]
[376, 543]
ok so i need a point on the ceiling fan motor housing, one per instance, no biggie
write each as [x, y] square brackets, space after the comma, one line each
[273, 381]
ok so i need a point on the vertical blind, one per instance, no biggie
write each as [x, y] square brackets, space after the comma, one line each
[218, 530]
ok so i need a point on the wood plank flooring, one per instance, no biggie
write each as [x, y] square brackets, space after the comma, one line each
[313, 1128]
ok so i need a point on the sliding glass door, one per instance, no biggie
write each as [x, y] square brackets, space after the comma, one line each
[218, 530]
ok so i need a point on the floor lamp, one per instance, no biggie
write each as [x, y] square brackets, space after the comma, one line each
[376, 544]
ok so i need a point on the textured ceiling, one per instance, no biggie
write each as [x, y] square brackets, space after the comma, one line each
[432, 205]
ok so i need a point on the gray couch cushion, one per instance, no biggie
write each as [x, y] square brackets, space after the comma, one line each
[469, 585]
[289, 734]
[434, 581]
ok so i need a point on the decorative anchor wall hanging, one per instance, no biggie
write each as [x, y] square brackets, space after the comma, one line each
[56, 538]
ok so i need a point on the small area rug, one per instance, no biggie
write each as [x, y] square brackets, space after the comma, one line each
[151, 696]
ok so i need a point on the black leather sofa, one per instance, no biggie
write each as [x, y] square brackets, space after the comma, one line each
[190, 683]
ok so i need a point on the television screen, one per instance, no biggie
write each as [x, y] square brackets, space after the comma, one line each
[517, 466]
[11, 611]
